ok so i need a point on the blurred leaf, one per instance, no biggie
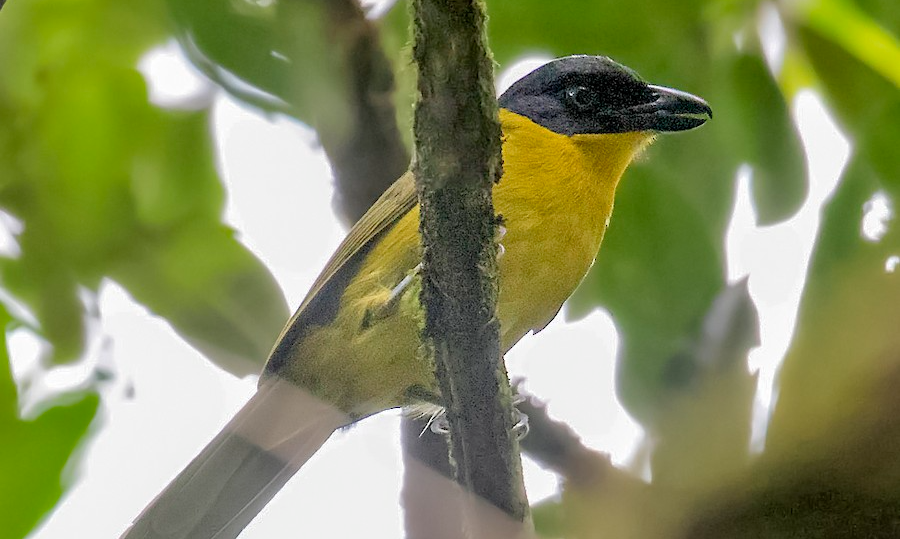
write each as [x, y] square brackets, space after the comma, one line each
[280, 57]
[837, 389]
[856, 93]
[101, 181]
[879, 145]
[174, 178]
[240, 37]
[318, 60]
[45, 34]
[70, 158]
[763, 135]
[549, 520]
[867, 104]
[796, 504]
[843, 23]
[80, 164]
[210, 288]
[709, 397]
[616, 504]
[35, 454]
[700, 166]
[886, 12]
[66, 107]
[35, 457]
[620, 30]
[99, 178]
[51, 293]
[839, 240]
[657, 288]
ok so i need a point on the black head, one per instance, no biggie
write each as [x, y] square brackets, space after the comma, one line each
[593, 94]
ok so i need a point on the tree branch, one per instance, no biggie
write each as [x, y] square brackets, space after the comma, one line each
[430, 499]
[368, 154]
[457, 161]
[555, 445]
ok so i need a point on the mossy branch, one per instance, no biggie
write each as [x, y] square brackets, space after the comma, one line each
[458, 160]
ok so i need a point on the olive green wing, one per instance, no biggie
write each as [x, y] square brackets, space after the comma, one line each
[322, 301]
[393, 204]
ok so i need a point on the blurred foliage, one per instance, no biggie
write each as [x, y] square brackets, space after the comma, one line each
[108, 186]
[35, 450]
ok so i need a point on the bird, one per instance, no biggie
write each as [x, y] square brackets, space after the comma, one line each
[570, 128]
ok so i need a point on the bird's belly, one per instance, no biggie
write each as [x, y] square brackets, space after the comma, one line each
[538, 272]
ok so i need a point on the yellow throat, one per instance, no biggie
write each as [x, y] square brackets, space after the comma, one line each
[556, 196]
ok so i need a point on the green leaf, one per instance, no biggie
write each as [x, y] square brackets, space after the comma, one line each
[618, 29]
[843, 23]
[100, 178]
[709, 396]
[763, 135]
[885, 12]
[35, 458]
[51, 294]
[857, 93]
[238, 37]
[867, 104]
[174, 178]
[69, 159]
[658, 271]
[280, 57]
[879, 143]
[837, 386]
[36, 453]
[549, 519]
[217, 295]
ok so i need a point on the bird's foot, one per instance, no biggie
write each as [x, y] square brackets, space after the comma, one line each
[440, 425]
[501, 232]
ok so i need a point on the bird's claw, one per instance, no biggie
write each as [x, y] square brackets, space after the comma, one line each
[440, 425]
[521, 427]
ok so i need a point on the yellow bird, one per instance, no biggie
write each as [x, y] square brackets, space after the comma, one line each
[570, 128]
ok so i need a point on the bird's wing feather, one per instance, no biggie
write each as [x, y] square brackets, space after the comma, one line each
[322, 300]
[234, 477]
[281, 427]
[393, 204]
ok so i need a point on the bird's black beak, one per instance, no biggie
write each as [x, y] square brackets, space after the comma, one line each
[671, 110]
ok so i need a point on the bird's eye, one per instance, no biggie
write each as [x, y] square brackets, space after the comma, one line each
[581, 96]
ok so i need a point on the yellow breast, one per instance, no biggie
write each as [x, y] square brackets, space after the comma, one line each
[556, 198]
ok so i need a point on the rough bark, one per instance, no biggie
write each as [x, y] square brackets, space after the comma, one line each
[458, 160]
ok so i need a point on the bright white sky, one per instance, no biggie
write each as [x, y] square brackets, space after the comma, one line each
[279, 190]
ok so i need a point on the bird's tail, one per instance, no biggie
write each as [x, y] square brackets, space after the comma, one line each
[237, 474]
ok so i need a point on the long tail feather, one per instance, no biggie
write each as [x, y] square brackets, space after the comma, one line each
[237, 474]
